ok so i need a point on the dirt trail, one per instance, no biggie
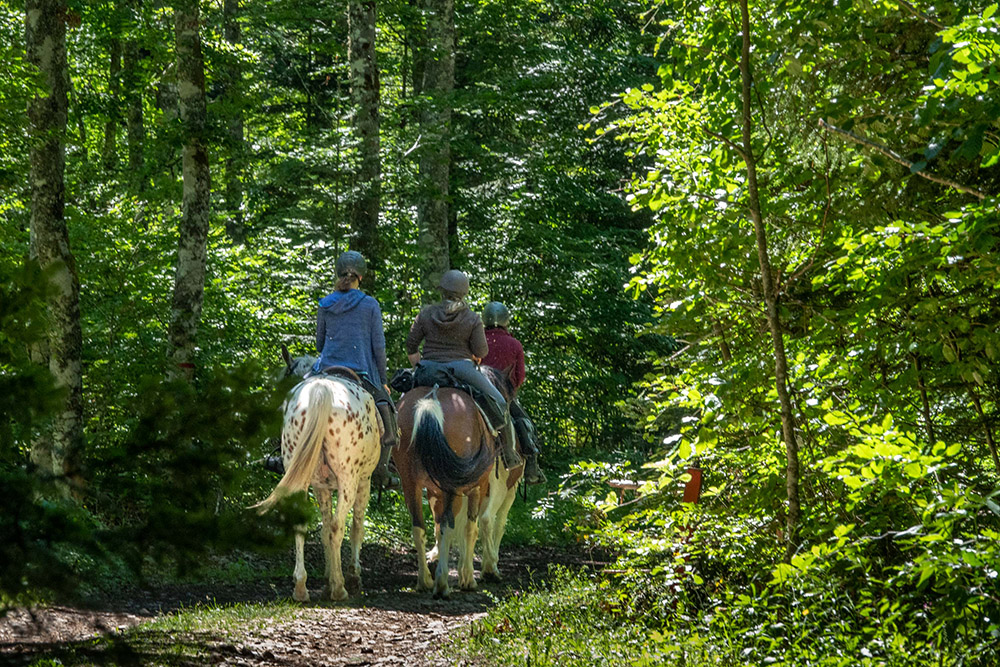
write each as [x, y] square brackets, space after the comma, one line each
[389, 624]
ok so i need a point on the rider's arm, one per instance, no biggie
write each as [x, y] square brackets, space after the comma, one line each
[518, 375]
[320, 331]
[378, 343]
[477, 341]
[413, 340]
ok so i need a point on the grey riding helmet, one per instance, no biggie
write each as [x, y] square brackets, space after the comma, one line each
[455, 281]
[495, 314]
[351, 262]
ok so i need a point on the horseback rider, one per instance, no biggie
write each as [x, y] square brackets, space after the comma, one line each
[349, 333]
[506, 352]
[453, 335]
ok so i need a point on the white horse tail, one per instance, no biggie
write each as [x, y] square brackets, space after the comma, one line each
[308, 439]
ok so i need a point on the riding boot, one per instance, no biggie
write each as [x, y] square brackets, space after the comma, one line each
[508, 450]
[382, 477]
[274, 462]
[529, 445]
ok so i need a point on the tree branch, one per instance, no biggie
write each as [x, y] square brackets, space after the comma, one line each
[726, 140]
[896, 157]
[919, 14]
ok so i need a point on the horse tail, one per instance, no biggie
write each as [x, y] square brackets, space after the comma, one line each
[445, 468]
[308, 442]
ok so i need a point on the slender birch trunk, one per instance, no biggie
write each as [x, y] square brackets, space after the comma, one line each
[435, 156]
[234, 126]
[54, 451]
[109, 155]
[189, 282]
[365, 97]
[134, 89]
[770, 296]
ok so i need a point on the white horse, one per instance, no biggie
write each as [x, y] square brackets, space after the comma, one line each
[492, 520]
[330, 440]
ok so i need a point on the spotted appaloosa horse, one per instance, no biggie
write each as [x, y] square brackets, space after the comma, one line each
[447, 449]
[501, 494]
[330, 440]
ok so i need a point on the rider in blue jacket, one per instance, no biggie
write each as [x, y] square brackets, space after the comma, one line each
[349, 333]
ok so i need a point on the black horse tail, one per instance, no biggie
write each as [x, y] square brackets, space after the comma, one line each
[445, 468]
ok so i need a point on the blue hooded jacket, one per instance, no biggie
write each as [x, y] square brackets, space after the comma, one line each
[349, 333]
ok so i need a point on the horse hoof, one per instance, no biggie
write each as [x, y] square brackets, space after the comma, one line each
[353, 585]
[490, 577]
[300, 594]
[471, 586]
[424, 586]
[339, 594]
[442, 595]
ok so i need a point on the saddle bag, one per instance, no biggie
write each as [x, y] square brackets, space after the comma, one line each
[430, 373]
[402, 380]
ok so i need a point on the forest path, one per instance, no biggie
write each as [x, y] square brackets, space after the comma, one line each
[389, 624]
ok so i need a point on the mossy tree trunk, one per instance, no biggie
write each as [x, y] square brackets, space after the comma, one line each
[435, 153]
[365, 97]
[54, 451]
[189, 281]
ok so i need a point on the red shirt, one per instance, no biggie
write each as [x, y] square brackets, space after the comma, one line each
[505, 352]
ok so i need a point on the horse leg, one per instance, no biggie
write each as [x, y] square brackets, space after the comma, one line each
[432, 555]
[414, 503]
[358, 533]
[487, 524]
[445, 522]
[345, 500]
[499, 527]
[469, 525]
[301, 593]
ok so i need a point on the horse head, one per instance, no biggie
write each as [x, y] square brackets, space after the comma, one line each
[501, 379]
[295, 366]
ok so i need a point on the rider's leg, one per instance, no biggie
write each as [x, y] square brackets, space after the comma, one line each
[390, 437]
[529, 444]
[466, 371]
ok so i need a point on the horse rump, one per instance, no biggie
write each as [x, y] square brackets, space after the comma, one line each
[307, 439]
[447, 470]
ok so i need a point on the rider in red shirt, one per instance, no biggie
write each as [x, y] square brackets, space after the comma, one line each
[506, 352]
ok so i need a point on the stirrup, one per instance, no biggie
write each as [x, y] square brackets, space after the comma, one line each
[532, 473]
[508, 464]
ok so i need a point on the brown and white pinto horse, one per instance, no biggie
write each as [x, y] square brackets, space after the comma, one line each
[500, 495]
[331, 441]
[447, 449]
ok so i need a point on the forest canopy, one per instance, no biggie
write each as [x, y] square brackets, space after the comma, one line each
[756, 241]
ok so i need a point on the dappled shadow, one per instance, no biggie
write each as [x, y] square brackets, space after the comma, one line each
[137, 647]
[389, 620]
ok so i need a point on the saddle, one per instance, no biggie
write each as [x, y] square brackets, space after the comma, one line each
[434, 374]
[343, 372]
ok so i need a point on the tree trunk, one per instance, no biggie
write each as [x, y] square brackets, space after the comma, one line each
[109, 156]
[987, 429]
[189, 282]
[134, 89]
[435, 154]
[232, 96]
[365, 96]
[770, 297]
[416, 33]
[54, 452]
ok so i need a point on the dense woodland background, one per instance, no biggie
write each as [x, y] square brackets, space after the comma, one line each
[761, 240]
